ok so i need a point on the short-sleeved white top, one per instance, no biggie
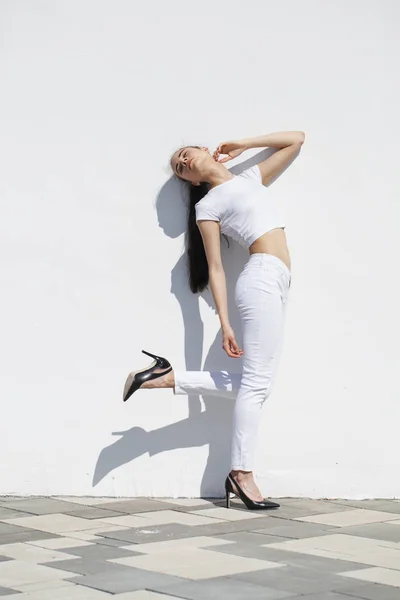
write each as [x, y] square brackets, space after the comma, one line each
[243, 206]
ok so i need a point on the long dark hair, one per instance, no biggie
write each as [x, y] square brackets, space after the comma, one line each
[196, 255]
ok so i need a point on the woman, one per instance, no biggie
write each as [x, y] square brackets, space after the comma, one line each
[242, 208]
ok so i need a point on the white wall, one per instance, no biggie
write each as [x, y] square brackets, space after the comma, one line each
[95, 97]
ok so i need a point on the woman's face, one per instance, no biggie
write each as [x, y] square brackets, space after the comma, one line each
[191, 163]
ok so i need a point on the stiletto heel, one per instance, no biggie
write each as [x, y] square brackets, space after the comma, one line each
[228, 488]
[230, 483]
[137, 378]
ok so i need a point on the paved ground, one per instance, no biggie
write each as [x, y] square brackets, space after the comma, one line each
[141, 549]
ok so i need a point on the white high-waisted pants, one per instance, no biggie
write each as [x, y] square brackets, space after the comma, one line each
[261, 293]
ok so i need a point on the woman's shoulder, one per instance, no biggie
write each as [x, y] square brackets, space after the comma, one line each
[253, 173]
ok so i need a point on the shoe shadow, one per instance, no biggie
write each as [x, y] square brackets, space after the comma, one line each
[212, 426]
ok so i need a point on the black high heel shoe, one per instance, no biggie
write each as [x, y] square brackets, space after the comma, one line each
[137, 378]
[250, 504]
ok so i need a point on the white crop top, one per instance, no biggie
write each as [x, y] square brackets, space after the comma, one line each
[243, 206]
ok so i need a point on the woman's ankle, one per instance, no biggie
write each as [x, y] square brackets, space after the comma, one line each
[165, 381]
[240, 474]
[170, 379]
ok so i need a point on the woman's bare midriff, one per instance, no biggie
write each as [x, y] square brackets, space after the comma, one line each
[273, 242]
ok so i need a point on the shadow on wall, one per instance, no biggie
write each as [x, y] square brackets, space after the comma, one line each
[213, 425]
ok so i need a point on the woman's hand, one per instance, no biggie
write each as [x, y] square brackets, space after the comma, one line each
[229, 343]
[232, 149]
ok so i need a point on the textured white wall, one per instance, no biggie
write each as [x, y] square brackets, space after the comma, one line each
[95, 97]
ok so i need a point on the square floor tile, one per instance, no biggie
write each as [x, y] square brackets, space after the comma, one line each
[60, 523]
[88, 500]
[86, 566]
[25, 535]
[15, 573]
[307, 508]
[296, 580]
[93, 535]
[8, 513]
[294, 559]
[67, 593]
[55, 523]
[59, 543]
[252, 538]
[225, 527]
[99, 552]
[189, 501]
[326, 596]
[364, 551]
[351, 517]
[130, 521]
[223, 588]
[137, 505]
[193, 563]
[32, 554]
[371, 591]
[293, 529]
[378, 504]
[150, 533]
[133, 579]
[41, 506]
[182, 544]
[227, 514]
[161, 517]
[377, 575]
[38, 586]
[144, 595]
[92, 512]
[377, 531]
[99, 540]
[7, 527]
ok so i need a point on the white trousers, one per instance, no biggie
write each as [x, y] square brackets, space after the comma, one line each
[261, 293]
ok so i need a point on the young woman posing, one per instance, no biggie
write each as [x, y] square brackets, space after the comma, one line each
[240, 207]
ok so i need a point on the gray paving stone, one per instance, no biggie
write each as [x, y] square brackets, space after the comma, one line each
[42, 506]
[248, 551]
[383, 505]
[294, 559]
[293, 529]
[7, 528]
[297, 580]
[27, 535]
[10, 513]
[236, 526]
[102, 541]
[308, 561]
[129, 581]
[308, 508]
[137, 505]
[154, 533]
[326, 596]
[371, 591]
[376, 531]
[158, 533]
[6, 591]
[249, 537]
[93, 513]
[4, 500]
[317, 507]
[99, 552]
[186, 509]
[222, 588]
[83, 566]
